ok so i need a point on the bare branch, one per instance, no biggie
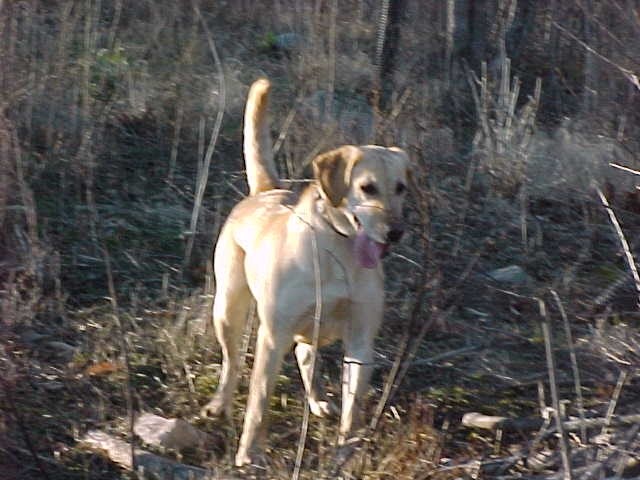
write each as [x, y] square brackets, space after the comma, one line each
[614, 399]
[317, 314]
[574, 364]
[123, 346]
[624, 169]
[623, 241]
[553, 386]
[491, 422]
[204, 174]
[631, 76]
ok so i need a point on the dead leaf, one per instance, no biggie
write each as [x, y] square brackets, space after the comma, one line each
[101, 369]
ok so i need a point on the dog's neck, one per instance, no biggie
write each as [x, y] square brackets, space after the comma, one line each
[334, 217]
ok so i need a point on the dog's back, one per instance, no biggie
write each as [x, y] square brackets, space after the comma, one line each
[258, 153]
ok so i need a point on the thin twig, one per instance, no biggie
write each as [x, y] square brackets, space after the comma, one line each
[386, 123]
[553, 386]
[328, 135]
[331, 70]
[614, 399]
[125, 351]
[623, 168]
[202, 180]
[443, 356]
[404, 354]
[574, 364]
[177, 128]
[406, 259]
[431, 361]
[248, 332]
[611, 408]
[26, 437]
[393, 374]
[316, 335]
[402, 358]
[185, 367]
[26, 193]
[631, 446]
[631, 76]
[410, 341]
[117, 9]
[285, 127]
[381, 36]
[435, 319]
[623, 241]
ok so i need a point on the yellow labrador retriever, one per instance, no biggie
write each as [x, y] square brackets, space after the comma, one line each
[284, 249]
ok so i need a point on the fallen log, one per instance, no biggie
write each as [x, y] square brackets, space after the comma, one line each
[490, 422]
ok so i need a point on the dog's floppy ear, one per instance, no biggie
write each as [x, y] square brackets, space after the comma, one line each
[333, 171]
[410, 167]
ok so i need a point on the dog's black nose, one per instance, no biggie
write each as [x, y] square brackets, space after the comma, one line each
[395, 234]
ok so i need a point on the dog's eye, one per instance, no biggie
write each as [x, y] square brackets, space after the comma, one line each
[400, 188]
[369, 188]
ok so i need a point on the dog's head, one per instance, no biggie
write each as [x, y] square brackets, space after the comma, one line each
[368, 186]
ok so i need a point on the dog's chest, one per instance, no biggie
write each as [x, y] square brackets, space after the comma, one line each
[335, 309]
[334, 314]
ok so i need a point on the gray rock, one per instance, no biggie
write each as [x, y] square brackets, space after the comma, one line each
[31, 336]
[512, 275]
[62, 349]
[53, 386]
[288, 41]
[172, 433]
[153, 466]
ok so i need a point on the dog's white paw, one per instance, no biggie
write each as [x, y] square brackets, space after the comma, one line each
[242, 459]
[322, 408]
[215, 408]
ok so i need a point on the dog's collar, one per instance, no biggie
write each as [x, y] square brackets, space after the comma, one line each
[334, 217]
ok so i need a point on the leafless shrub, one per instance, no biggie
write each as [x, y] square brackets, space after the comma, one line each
[619, 344]
[27, 264]
[502, 140]
[570, 160]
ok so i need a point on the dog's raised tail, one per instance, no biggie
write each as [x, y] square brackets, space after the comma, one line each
[258, 153]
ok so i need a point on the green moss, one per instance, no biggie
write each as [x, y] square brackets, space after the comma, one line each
[267, 43]
[454, 395]
[606, 272]
[206, 384]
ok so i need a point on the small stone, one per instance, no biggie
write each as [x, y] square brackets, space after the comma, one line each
[53, 386]
[61, 346]
[31, 336]
[288, 41]
[153, 466]
[172, 433]
[62, 349]
[513, 275]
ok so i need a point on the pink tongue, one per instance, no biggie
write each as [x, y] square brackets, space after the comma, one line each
[366, 250]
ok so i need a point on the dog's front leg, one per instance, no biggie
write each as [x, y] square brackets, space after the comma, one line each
[356, 372]
[318, 402]
[358, 361]
[269, 353]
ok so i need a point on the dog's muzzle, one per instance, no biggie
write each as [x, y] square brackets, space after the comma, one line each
[395, 232]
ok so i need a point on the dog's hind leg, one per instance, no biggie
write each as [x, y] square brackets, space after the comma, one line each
[230, 309]
[318, 403]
